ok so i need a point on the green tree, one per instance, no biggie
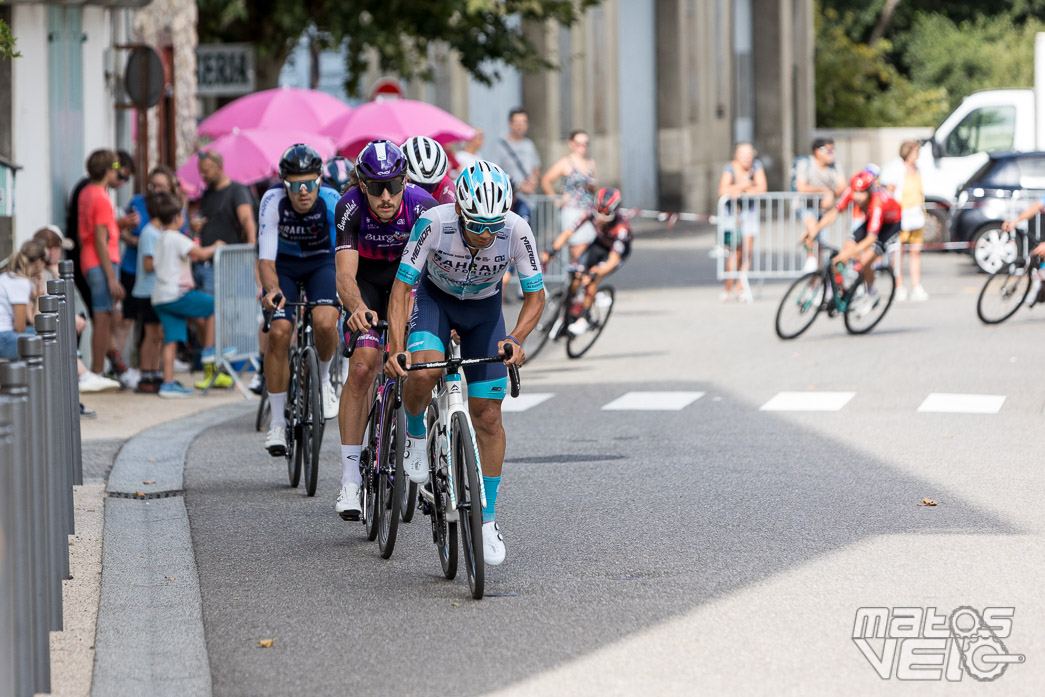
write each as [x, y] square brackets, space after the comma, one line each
[7, 41]
[395, 33]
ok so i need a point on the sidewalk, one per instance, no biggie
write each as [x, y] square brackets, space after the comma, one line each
[121, 415]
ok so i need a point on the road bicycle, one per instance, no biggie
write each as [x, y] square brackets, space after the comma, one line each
[455, 493]
[304, 407]
[1007, 289]
[836, 289]
[562, 308]
[264, 408]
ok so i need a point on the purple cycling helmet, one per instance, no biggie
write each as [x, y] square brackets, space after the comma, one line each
[381, 159]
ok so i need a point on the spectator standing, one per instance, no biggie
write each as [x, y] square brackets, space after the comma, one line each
[467, 155]
[741, 176]
[579, 177]
[226, 213]
[517, 155]
[902, 178]
[818, 174]
[18, 296]
[144, 283]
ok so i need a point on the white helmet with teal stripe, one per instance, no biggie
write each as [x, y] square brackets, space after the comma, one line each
[484, 192]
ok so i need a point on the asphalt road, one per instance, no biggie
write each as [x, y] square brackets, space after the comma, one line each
[718, 548]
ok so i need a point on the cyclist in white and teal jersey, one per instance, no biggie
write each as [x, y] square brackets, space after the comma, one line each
[456, 256]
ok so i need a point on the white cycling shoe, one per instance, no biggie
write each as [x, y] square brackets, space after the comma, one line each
[330, 401]
[579, 326]
[347, 505]
[415, 460]
[276, 441]
[493, 543]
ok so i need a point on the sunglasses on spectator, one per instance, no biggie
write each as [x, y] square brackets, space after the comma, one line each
[307, 186]
[477, 227]
[827, 148]
[375, 187]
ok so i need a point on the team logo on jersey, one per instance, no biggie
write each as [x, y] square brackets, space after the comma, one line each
[420, 243]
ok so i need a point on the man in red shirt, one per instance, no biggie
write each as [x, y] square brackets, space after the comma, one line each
[100, 250]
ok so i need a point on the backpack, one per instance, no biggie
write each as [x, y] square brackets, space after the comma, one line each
[794, 170]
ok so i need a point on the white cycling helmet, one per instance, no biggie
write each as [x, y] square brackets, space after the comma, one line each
[426, 160]
[484, 192]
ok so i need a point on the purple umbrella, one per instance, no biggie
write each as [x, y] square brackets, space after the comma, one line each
[280, 109]
[396, 120]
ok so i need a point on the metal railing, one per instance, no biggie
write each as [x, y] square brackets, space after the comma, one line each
[545, 223]
[237, 312]
[39, 463]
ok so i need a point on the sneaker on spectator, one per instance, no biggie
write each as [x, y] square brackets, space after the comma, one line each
[130, 378]
[149, 386]
[901, 294]
[86, 413]
[223, 381]
[93, 382]
[181, 366]
[255, 384]
[175, 390]
[919, 295]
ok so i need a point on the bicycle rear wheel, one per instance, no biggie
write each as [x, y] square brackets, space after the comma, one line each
[550, 318]
[390, 474]
[863, 309]
[598, 315]
[311, 417]
[292, 412]
[469, 505]
[406, 511]
[800, 305]
[264, 409]
[1002, 294]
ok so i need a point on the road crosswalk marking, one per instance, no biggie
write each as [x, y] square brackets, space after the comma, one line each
[526, 400]
[653, 401]
[946, 403]
[807, 401]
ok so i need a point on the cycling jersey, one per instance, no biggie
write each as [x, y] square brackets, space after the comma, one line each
[282, 231]
[882, 208]
[437, 247]
[359, 229]
[444, 191]
[615, 234]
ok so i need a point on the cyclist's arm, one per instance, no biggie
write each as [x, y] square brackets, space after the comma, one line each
[268, 246]
[1028, 213]
[346, 262]
[528, 267]
[398, 305]
[560, 241]
[828, 218]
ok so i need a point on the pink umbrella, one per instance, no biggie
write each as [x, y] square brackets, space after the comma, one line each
[278, 109]
[396, 120]
[251, 155]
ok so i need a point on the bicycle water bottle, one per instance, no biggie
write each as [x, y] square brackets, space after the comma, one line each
[838, 274]
[577, 304]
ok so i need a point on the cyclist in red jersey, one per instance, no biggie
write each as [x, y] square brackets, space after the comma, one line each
[426, 166]
[881, 222]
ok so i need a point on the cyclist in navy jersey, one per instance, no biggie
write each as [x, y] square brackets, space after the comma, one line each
[373, 221]
[296, 245]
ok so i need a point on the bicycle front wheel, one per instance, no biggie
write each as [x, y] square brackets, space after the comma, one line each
[800, 305]
[311, 417]
[597, 315]
[469, 504]
[1002, 294]
[264, 409]
[390, 475]
[444, 532]
[293, 416]
[865, 308]
[550, 318]
[406, 511]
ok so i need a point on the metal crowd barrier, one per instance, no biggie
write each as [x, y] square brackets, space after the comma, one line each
[39, 453]
[546, 226]
[237, 312]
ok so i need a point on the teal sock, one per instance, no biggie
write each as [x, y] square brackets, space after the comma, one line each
[415, 425]
[490, 484]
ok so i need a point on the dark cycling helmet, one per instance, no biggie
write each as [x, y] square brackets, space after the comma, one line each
[426, 161]
[300, 159]
[337, 173]
[607, 201]
[861, 181]
[380, 159]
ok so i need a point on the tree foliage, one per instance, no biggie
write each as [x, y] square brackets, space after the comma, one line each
[7, 41]
[395, 33]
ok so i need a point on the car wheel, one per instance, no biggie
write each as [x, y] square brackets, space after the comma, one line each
[993, 248]
[935, 225]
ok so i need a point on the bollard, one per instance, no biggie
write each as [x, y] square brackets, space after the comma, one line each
[65, 291]
[33, 657]
[59, 474]
[30, 348]
[9, 644]
[51, 304]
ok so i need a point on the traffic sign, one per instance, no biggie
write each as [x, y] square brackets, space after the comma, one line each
[386, 88]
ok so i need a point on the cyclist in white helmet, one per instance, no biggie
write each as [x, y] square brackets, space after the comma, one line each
[456, 256]
[426, 166]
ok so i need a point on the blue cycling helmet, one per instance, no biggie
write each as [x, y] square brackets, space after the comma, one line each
[338, 173]
[484, 192]
[380, 159]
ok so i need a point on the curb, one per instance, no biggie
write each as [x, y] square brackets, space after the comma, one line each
[150, 637]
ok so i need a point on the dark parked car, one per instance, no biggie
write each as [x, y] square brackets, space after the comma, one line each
[1006, 184]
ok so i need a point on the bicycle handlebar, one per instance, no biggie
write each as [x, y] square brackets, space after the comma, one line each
[350, 347]
[513, 370]
[267, 314]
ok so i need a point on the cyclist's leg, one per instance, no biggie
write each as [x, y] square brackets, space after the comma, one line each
[428, 341]
[277, 364]
[321, 288]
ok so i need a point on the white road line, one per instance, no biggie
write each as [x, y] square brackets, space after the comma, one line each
[808, 401]
[526, 400]
[946, 403]
[653, 401]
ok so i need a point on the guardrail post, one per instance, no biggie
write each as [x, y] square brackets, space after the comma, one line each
[12, 662]
[33, 655]
[68, 393]
[67, 298]
[59, 446]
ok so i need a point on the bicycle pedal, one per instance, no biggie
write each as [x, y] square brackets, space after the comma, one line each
[349, 515]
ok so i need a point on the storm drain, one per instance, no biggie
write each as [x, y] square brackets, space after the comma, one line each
[143, 496]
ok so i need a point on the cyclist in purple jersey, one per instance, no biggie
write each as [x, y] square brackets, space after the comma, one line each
[373, 222]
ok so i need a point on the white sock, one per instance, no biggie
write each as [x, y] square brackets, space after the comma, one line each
[278, 401]
[324, 368]
[350, 465]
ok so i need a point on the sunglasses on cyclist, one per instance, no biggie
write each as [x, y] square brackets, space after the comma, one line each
[307, 186]
[482, 228]
[375, 187]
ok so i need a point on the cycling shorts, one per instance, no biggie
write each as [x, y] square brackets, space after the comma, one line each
[595, 254]
[318, 276]
[480, 325]
[885, 235]
[374, 278]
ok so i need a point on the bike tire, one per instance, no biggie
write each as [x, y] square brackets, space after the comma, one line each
[469, 507]
[1010, 286]
[370, 440]
[390, 475]
[264, 410]
[311, 417]
[293, 454]
[406, 510]
[577, 346]
[806, 295]
[444, 533]
[538, 338]
[857, 323]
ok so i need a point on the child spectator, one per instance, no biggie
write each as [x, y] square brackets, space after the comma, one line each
[18, 297]
[144, 283]
[173, 297]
